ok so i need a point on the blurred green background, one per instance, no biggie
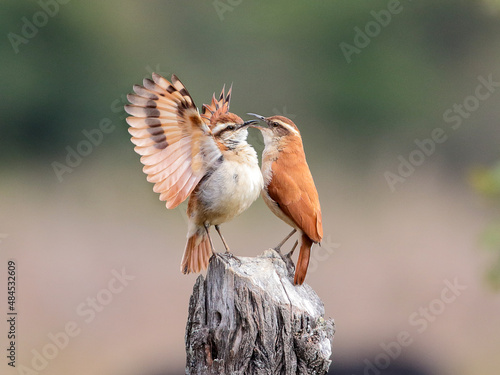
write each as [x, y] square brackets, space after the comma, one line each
[366, 82]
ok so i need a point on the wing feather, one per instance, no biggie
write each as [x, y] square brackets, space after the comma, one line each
[151, 112]
[176, 150]
[175, 189]
[145, 133]
[174, 174]
[167, 171]
[176, 145]
[147, 101]
[189, 186]
[171, 191]
[155, 139]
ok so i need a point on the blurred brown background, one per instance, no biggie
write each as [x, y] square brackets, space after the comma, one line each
[411, 242]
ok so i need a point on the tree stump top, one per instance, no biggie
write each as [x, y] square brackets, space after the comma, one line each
[247, 317]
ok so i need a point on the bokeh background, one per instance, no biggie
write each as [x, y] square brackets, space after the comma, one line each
[395, 240]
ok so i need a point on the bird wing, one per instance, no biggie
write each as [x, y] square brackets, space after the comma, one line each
[176, 145]
[292, 188]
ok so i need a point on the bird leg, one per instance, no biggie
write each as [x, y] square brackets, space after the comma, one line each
[290, 266]
[210, 239]
[222, 238]
[214, 254]
[290, 253]
[227, 253]
[278, 248]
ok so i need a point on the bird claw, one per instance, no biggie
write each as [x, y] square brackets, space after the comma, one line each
[226, 256]
[290, 253]
[287, 259]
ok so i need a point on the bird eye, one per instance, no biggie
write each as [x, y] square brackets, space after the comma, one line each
[274, 124]
[230, 127]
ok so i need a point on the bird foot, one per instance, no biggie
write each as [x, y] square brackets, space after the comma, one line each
[290, 253]
[227, 256]
[287, 259]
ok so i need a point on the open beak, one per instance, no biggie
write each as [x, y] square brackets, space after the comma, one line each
[246, 124]
[261, 118]
[249, 122]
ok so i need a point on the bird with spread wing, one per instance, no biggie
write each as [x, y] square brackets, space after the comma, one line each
[201, 156]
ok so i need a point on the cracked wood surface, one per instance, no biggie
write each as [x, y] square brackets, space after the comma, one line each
[246, 317]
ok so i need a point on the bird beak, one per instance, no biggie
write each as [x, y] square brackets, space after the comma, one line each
[249, 122]
[261, 118]
[246, 124]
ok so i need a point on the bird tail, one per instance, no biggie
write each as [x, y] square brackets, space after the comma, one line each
[197, 253]
[303, 261]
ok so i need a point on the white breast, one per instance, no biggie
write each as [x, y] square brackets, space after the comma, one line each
[269, 155]
[231, 189]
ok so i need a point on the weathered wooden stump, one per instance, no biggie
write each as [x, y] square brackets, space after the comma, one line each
[248, 318]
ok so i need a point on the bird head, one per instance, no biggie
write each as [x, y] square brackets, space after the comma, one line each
[278, 127]
[227, 127]
[230, 129]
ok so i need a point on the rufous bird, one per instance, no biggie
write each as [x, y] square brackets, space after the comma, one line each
[204, 157]
[289, 189]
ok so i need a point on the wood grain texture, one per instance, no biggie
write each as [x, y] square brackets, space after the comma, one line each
[248, 318]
